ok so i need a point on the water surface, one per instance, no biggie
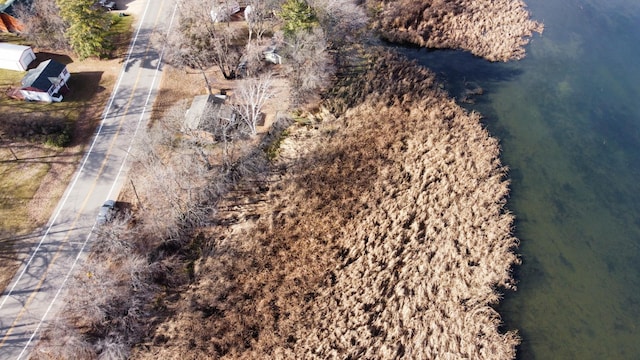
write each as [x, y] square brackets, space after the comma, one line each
[568, 118]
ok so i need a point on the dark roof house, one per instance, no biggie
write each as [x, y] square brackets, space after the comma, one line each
[44, 82]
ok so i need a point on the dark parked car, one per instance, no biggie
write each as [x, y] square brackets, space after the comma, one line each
[106, 213]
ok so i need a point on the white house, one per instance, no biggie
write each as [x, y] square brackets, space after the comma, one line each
[15, 57]
[45, 82]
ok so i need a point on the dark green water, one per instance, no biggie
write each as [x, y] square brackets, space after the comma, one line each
[568, 118]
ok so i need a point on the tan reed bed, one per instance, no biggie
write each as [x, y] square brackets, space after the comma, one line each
[380, 234]
[496, 30]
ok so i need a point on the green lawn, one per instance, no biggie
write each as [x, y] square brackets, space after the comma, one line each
[121, 31]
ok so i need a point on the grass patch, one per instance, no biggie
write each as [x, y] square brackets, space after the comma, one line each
[120, 34]
[16, 192]
[274, 148]
[8, 79]
[12, 38]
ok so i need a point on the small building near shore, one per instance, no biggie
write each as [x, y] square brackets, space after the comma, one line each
[15, 57]
[206, 112]
[45, 82]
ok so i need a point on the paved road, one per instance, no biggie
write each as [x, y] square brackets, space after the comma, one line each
[35, 295]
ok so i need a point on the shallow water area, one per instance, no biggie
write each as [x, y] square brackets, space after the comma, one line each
[568, 120]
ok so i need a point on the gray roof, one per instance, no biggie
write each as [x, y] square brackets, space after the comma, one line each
[44, 75]
[206, 105]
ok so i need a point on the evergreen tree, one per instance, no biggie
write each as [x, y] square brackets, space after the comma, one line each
[297, 16]
[88, 26]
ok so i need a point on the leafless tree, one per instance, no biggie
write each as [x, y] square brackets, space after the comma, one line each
[199, 43]
[220, 120]
[343, 21]
[259, 16]
[249, 98]
[310, 67]
[253, 59]
[116, 236]
[43, 23]
[226, 51]
[180, 53]
[172, 179]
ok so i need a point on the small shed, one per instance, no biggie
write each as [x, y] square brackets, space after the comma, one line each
[272, 56]
[206, 112]
[45, 82]
[15, 57]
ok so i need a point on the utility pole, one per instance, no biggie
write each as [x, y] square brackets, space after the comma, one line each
[136, 193]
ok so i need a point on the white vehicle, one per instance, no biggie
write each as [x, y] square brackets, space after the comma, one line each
[111, 5]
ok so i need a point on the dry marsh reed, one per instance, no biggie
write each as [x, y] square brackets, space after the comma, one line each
[380, 233]
[496, 30]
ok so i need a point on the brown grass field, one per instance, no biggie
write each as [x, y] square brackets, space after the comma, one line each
[380, 233]
[496, 30]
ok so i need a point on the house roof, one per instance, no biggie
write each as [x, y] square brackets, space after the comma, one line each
[44, 75]
[12, 51]
[9, 23]
[212, 105]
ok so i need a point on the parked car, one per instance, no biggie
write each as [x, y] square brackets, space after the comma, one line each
[109, 5]
[107, 212]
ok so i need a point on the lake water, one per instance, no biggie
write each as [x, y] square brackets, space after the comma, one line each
[568, 118]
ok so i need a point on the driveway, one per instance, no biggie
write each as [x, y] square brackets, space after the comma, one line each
[35, 295]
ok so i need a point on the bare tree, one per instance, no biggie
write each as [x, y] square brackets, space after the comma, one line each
[226, 51]
[249, 98]
[199, 43]
[180, 53]
[222, 121]
[172, 179]
[343, 21]
[260, 18]
[43, 23]
[310, 67]
[253, 59]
